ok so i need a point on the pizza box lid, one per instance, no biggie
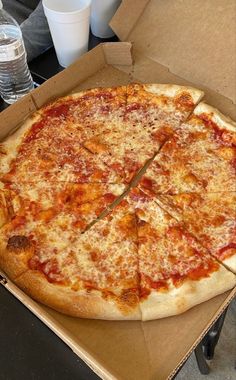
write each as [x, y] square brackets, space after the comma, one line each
[123, 350]
[193, 40]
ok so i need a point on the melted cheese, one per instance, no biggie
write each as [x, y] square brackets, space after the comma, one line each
[192, 160]
[76, 166]
[210, 217]
[166, 250]
[158, 108]
[100, 136]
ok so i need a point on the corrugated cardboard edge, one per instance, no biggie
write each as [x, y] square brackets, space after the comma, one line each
[118, 53]
[204, 332]
[55, 326]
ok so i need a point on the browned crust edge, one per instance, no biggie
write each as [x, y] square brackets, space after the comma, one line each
[74, 303]
[14, 262]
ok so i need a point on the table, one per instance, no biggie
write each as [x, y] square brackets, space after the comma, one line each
[29, 349]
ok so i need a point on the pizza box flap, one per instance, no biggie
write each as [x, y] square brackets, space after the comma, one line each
[13, 116]
[194, 40]
[131, 350]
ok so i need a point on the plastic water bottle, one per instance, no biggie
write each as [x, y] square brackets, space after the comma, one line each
[15, 77]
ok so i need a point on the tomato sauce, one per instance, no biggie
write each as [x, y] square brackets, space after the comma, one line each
[233, 163]
[18, 221]
[144, 292]
[34, 130]
[195, 274]
[184, 100]
[109, 197]
[221, 135]
[49, 268]
[147, 182]
[133, 107]
[138, 195]
[100, 95]
[162, 134]
[117, 167]
[227, 250]
[157, 285]
[202, 271]
[59, 110]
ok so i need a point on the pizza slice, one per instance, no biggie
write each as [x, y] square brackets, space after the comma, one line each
[107, 256]
[92, 274]
[61, 127]
[159, 108]
[101, 284]
[49, 229]
[211, 218]
[199, 157]
[176, 272]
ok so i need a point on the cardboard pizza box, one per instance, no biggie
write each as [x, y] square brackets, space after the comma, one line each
[164, 41]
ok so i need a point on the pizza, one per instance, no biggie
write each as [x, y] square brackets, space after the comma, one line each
[119, 203]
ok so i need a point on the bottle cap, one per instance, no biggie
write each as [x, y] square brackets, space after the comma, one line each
[0, 4]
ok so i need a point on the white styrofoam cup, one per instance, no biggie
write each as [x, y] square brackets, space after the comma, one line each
[69, 26]
[102, 12]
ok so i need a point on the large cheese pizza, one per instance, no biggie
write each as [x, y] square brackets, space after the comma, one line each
[119, 203]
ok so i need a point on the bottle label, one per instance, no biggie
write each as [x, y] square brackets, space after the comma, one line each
[11, 44]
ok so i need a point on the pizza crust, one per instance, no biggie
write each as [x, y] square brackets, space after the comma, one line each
[74, 303]
[216, 116]
[118, 91]
[230, 263]
[92, 305]
[172, 90]
[178, 300]
[9, 147]
[14, 256]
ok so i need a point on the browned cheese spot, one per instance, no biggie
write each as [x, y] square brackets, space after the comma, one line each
[18, 243]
